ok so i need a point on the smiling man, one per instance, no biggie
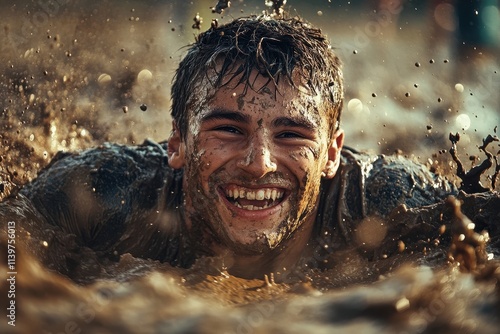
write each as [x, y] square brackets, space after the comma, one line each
[254, 171]
[263, 130]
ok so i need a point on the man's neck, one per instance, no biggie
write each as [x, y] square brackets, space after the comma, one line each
[278, 261]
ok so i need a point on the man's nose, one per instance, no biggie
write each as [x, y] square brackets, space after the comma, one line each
[257, 159]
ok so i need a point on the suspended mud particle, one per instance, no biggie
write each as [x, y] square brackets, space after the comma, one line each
[125, 109]
[415, 85]
[442, 229]
[45, 244]
[220, 6]
[198, 20]
[355, 52]
[214, 24]
[431, 61]
[446, 61]
[144, 75]
[407, 94]
[417, 64]
[104, 78]
[374, 94]
[440, 99]
[143, 107]
[370, 232]
[459, 87]
[401, 246]
[463, 121]
[320, 13]
[429, 127]
[355, 105]
[276, 6]
[402, 304]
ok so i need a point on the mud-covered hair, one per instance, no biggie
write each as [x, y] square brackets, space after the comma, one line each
[274, 48]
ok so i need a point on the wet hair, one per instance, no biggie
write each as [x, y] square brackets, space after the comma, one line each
[272, 47]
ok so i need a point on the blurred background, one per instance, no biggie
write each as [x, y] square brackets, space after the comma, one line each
[77, 73]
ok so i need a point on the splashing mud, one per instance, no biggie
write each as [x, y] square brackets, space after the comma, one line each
[75, 77]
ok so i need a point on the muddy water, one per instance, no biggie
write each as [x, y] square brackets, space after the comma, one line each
[76, 76]
[444, 279]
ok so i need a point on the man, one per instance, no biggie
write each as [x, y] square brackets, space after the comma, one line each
[254, 171]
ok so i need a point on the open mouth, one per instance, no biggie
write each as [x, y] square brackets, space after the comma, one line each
[253, 199]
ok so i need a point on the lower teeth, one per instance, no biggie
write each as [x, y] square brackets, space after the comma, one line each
[251, 207]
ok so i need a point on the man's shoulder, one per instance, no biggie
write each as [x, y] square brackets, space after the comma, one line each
[387, 181]
[104, 186]
[112, 172]
[113, 162]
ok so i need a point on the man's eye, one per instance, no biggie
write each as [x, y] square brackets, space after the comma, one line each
[230, 129]
[290, 135]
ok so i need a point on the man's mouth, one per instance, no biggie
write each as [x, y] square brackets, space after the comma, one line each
[253, 199]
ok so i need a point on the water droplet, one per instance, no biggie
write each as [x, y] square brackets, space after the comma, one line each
[144, 75]
[463, 121]
[355, 105]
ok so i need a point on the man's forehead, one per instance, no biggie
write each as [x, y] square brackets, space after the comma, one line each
[257, 88]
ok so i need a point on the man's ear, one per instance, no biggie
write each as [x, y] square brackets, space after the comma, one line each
[333, 163]
[176, 148]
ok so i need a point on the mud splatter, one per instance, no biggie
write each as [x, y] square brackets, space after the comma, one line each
[471, 180]
[220, 6]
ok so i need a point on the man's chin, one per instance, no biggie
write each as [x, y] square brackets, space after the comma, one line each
[250, 245]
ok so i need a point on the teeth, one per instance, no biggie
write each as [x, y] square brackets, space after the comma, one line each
[259, 195]
[251, 207]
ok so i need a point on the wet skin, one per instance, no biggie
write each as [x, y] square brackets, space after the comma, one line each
[252, 170]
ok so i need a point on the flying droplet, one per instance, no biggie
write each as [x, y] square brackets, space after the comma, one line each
[463, 121]
[144, 75]
[355, 106]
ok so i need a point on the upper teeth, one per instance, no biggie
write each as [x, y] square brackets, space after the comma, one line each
[260, 194]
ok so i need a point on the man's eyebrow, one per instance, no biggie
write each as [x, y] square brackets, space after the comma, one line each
[225, 114]
[297, 122]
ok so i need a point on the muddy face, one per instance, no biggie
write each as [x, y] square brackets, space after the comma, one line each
[253, 164]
